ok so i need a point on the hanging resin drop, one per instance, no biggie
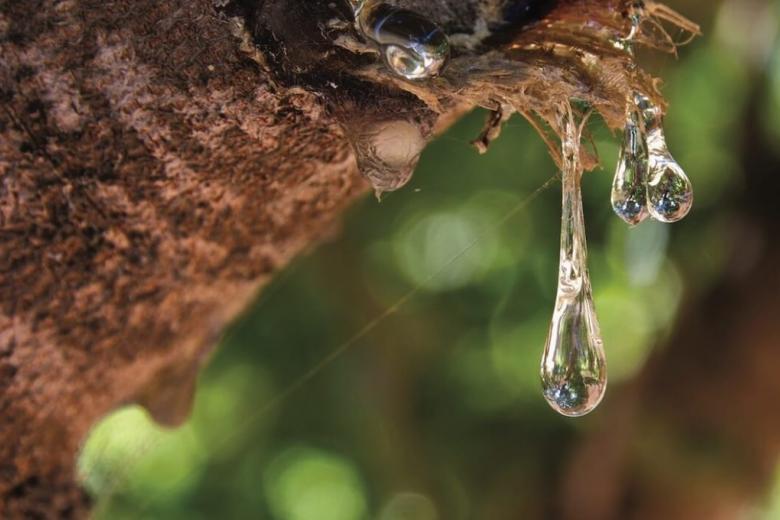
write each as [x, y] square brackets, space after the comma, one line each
[629, 188]
[412, 46]
[669, 191]
[573, 371]
[387, 152]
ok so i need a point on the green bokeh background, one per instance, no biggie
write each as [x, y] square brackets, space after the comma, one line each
[435, 411]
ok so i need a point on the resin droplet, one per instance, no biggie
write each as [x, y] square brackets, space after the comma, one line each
[387, 153]
[574, 370]
[629, 189]
[669, 191]
[412, 46]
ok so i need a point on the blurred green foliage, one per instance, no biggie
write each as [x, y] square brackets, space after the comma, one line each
[436, 412]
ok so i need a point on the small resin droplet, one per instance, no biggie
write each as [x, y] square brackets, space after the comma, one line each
[629, 189]
[574, 370]
[387, 153]
[669, 191]
[412, 46]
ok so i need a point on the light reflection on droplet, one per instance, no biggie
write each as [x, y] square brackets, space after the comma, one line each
[412, 46]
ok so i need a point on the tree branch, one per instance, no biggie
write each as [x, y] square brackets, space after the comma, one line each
[162, 159]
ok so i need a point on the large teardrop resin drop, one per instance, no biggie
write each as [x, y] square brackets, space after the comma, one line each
[573, 370]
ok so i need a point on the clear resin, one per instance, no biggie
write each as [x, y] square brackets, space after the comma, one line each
[573, 369]
[412, 46]
[629, 188]
[669, 191]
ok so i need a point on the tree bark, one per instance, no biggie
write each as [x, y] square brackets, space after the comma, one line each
[162, 159]
[153, 179]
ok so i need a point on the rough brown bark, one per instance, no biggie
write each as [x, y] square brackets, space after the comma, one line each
[161, 159]
[153, 178]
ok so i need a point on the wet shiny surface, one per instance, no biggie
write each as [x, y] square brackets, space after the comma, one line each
[669, 191]
[412, 46]
[629, 188]
[573, 369]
